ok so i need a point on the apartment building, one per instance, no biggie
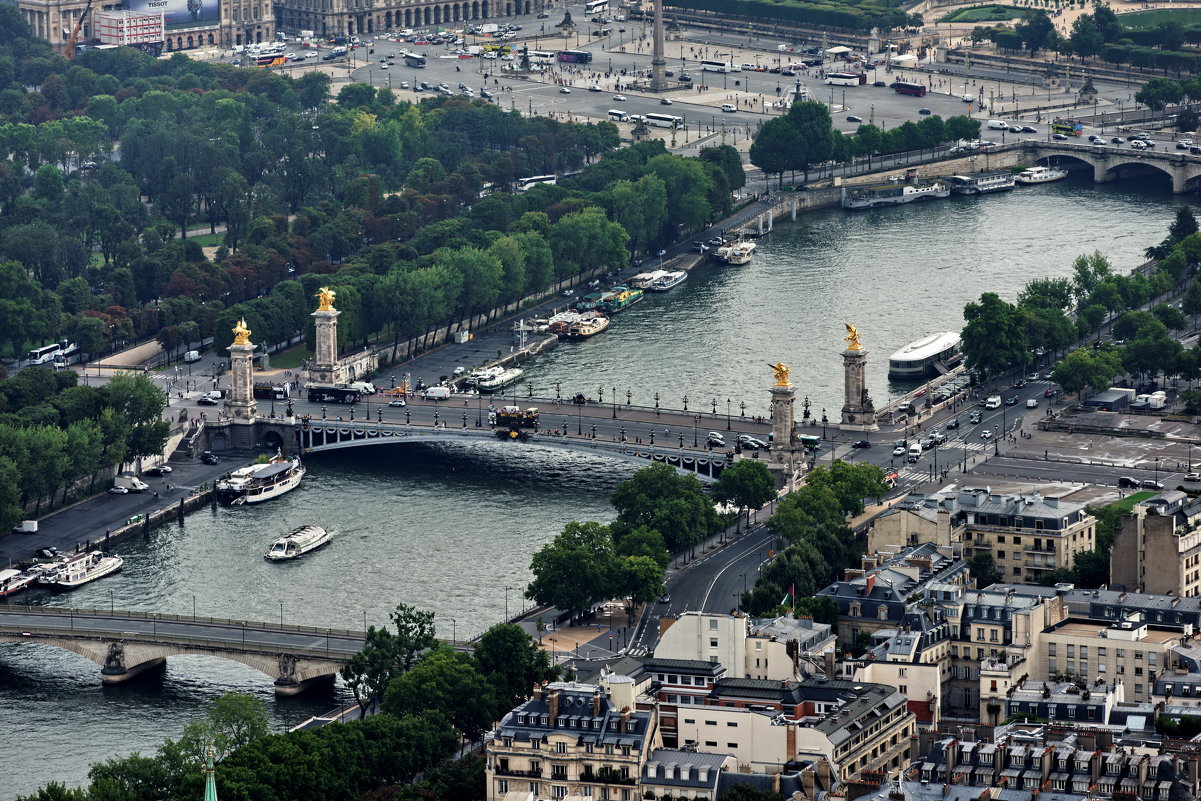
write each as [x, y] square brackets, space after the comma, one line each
[1064, 701]
[359, 17]
[772, 648]
[1157, 547]
[1130, 651]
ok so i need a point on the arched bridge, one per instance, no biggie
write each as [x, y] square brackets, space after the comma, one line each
[1109, 162]
[125, 644]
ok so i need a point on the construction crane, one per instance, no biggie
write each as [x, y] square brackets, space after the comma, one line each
[75, 33]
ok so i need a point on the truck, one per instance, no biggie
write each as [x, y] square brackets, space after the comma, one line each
[436, 393]
[26, 527]
[489, 29]
[363, 387]
[130, 482]
[332, 393]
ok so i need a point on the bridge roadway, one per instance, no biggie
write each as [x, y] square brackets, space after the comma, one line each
[626, 431]
[126, 644]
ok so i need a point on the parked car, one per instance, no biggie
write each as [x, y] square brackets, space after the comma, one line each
[1127, 481]
[208, 457]
[861, 443]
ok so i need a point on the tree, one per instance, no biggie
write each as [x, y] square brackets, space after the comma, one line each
[745, 792]
[575, 570]
[1086, 39]
[1087, 367]
[816, 132]
[233, 721]
[385, 655]
[994, 338]
[415, 633]
[1035, 29]
[1191, 303]
[984, 569]
[1172, 317]
[640, 579]
[1158, 93]
[512, 662]
[776, 147]
[445, 683]
[661, 499]
[747, 485]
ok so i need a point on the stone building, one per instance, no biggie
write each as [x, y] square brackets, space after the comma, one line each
[1163, 533]
[360, 17]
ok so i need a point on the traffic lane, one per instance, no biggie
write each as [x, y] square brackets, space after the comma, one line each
[1034, 467]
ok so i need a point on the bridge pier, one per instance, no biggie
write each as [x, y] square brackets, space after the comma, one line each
[288, 687]
[117, 668]
[1103, 175]
[1179, 182]
[111, 677]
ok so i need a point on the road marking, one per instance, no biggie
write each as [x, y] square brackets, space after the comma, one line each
[717, 575]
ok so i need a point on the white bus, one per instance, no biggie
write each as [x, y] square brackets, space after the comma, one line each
[618, 116]
[664, 121]
[541, 58]
[717, 66]
[843, 79]
[67, 356]
[592, 7]
[525, 184]
[45, 354]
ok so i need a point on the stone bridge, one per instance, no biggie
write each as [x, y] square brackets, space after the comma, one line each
[126, 644]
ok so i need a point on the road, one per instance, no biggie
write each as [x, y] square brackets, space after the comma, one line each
[236, 634]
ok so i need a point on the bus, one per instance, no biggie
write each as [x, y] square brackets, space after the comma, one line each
[525, 184]
[618, 116]
[414, 60]
[845, 78]
[540, 57]
[904, 88]
[497, 47]
[45, 354]
[271, 60]
[67, 356]
[716, 66]
[810, 442]
[664, 121]
[575, 56]
[596, 7]
[1062, 125]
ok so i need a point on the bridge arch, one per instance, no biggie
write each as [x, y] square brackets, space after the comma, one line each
[1132, 167]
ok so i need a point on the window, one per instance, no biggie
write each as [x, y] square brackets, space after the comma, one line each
[1071, 651]
[903, 688]
[1138, 689]
[1121, 653]
[560, 748]
[588, 748]
[1084, 652]
[711, 743]
[1151, 660]
[713, 624]
[1000, 555]
[902, 672]
[731, 745]
[1102, 652]
[689, 720]
[1051, 649]
[712, 642]
[710, 722]
[502, 786]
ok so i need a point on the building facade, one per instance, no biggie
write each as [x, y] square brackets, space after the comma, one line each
[359, 17]
[1157, 547]
[776, 648]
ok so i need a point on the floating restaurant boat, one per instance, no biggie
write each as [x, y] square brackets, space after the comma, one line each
[297, 542]
[500, 380]
[982, 183]
[78, 569]
[588, 328]
[1041, 175]
[739, 253]
[260, 482]
[892, 193]
[12, 581]
[621, 298]
[925, 357]
[647, 280]
[670, 280]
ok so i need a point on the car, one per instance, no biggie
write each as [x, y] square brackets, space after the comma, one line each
[665, 598]
[1150, 483]
[543, 15]
[563, 90]
[861, 443]
[1032, 403]
[880, 84]
[484, 93]
[157, 470]
[48, 552]
[1127, 481]
[619, 98]
[986, 434]
[952, 424]
[208, 457]
[900, 449]
[397, 402]
[118, 490]
[1029, 129]
[1034, 377]
[854, 118]
[975, 417]
[665, 101]
[1058, 137]
[716, 241]
[1186, 141]
[1011, 400]
[1192, 476]
[383, 65]
[1015, 129]
[1097, 140]
[1182, 145]
[1137, 144]
[928, 443]
[1117, 140]
[666, 73]
[904, 406]
[205, 400]
[594, 88]
[1021, 382]
[685, 78]
[924, 111]
[715, 438]
[1051, 392]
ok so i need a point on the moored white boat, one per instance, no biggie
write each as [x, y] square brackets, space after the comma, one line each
[892, 193]
[647, 280]
[740, 253]
[79, 569]
[12, 581]
[670, 280]
[260, 482]
[1040, 175]
[297, 543]
[500, 380]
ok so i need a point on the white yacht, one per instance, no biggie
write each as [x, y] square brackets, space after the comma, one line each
[500, 380]
[740, 253]
[669, 280]
[79, 569]
[1040, 175]
[260, 482]
[647, 280]
[297, 542]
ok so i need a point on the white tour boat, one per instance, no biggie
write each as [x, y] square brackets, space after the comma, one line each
[297, 543]
[79, 569]
[669, 280]
[260, 482]
[1040, 175]
[740, 253]
[12, 581]
[500, 380]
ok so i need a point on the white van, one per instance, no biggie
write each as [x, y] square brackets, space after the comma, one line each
[728, 107]
[993, 402]
[191, 356]
[915, 452]
[998, 125]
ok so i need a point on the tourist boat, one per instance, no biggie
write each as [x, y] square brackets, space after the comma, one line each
[892, 193]
[78, 569]
[562, 323]
[297, 542]
[740, 253]
[12, 581]
[260, 482]
[500, 380]
[927, 356]
[982, 183]
[670, 280]
[621, 298]
[648, 280]
[588, 328]
[484, 373]
[594, 300]
[1040, 175]
[722, 251]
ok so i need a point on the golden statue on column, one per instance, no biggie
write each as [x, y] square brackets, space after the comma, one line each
[241, 333]
[326, 298]
[852, 337]
[781, 371]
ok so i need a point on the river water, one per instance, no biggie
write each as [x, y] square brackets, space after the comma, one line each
[448, 529]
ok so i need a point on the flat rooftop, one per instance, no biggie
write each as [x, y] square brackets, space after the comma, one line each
[1081, 628]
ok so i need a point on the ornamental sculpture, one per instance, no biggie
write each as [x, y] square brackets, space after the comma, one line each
[852, 337]
[241, 333]
[326, 297]
[781, 371]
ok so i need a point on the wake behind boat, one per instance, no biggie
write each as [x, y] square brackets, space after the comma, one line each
[296, 543]
[260, 482]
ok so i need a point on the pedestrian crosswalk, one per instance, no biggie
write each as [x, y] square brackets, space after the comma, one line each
[950, 457]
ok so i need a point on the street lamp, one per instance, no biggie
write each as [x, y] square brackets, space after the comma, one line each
[454, 631]
[594, 430]
[579, 431]
[507, 602]
[727, 414]
[435, 418]
[824, 421]
[629, 395]
[656, 404]
[323, 411]
[695, 418]
[558, 396]
[713, 402]
[742, 408]
[281, 613]
[614, 398]
[685, 403]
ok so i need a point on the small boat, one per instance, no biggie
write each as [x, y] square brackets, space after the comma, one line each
[621, 298]
[297, 542]
[594, 300]
[500, 380]
[892, 193]
[1040, 175]
[260, 482]
[588, 328]
[647, 280]
[670, 280]
[982, 183]
[740, 253]
[12, 581]
[78, 569]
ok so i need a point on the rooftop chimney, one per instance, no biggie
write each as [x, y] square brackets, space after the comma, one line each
[552, 701]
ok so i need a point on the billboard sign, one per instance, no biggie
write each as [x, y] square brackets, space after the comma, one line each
[181, 13]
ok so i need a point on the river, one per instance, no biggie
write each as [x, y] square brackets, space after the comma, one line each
[449, 529]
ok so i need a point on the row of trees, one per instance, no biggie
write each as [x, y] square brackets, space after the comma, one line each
[855, 15]
[429, 699]
[659, 512]
[820, 545]
[805, 137]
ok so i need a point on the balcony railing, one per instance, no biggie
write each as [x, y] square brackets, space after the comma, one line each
[526, 774]
[607, 777]
[1041, 548]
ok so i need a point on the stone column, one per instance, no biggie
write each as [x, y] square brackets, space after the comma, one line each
[658, 62]
[858, 412]
[783, 399]
[324, 369]
[240, 404]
